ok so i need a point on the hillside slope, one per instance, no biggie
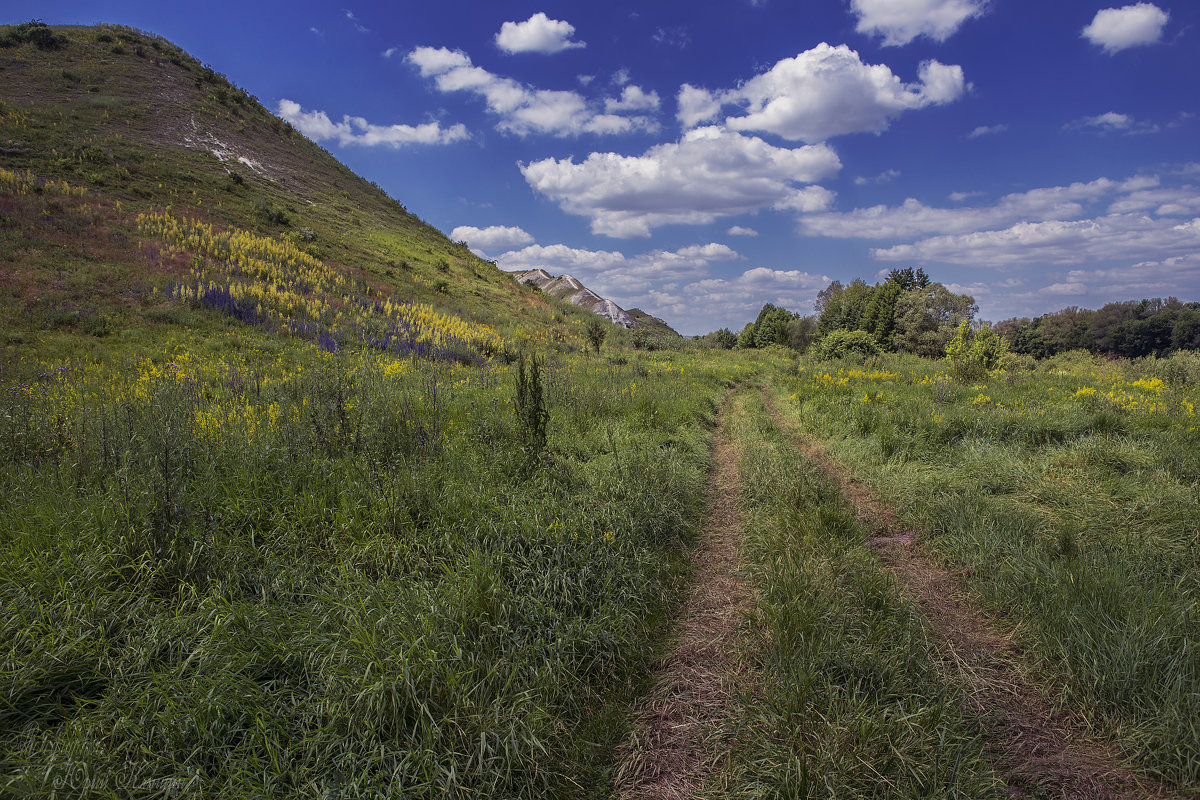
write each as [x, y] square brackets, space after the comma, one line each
[101, 124]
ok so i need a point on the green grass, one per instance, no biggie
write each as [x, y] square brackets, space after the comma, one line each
[1073, 511]
[228, 575]
[851, 703]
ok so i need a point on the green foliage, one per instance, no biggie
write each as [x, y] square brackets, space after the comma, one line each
[771, 326]
[842, 307]
[973, 354]
[723, 339]
[529, 404]
[1133, 329]
[906, 311]
[927, 318]
[801, 333]
[842, 343]
[595, 332]
[34, 32]
[745, 339]
[268, 214]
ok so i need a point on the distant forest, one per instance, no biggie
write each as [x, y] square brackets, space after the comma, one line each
[1154, 327]
[907, 312]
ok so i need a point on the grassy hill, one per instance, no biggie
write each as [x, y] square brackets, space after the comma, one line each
[99, 125]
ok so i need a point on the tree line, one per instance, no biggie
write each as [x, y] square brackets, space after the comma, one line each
[1135, 328]
[905, 312]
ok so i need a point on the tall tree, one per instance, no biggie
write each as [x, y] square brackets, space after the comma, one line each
[927, 318]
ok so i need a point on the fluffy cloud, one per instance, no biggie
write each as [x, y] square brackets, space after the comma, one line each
[901, 21]
[1112, 237]
[317, 125]
[738, 230]
[492, 238]
[824, 92]
[696, 105]
[913, 218]
[1182, 201]
[538, 34]
[709, 173]
[522, 109]
[633, 98]
[1116, 29]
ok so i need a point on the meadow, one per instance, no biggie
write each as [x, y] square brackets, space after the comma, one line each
[303, 499]
[338, 574]
[1065, 496]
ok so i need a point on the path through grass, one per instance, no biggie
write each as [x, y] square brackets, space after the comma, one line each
[671, 751]
[1038, 749]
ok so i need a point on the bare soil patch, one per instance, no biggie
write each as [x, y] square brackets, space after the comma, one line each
[670, 752]
[1038, 749]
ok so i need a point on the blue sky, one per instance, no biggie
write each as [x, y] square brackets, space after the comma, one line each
[699, 159]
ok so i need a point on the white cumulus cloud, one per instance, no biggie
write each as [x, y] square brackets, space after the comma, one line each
[823, 92]
[901, 21]
[1111, 237]
[522, 109]
[538, 34]
[709, 173]
[913, 218]
[1117, 29]
[696, 105]
[633, 98]
[738, 230]
[317, 125]
[491, 238]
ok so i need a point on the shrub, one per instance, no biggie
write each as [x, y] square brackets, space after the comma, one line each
[972, 354]
[724, 339]
[595, 334]
[530, 406]
[35, 32]
[270, 215]
[841, 343]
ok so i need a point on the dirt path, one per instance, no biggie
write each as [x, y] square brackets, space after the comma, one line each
[670, 754]
[1037, 750]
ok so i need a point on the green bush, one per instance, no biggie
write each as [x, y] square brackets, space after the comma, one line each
[35, 32]
[973, 354]
[841, 343]
[595, 333]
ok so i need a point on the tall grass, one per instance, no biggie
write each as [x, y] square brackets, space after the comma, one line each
[335, 575]
[1070, 496]
[851, 703]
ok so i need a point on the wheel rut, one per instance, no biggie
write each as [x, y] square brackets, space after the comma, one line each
[1039, 750]
[670, 753]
